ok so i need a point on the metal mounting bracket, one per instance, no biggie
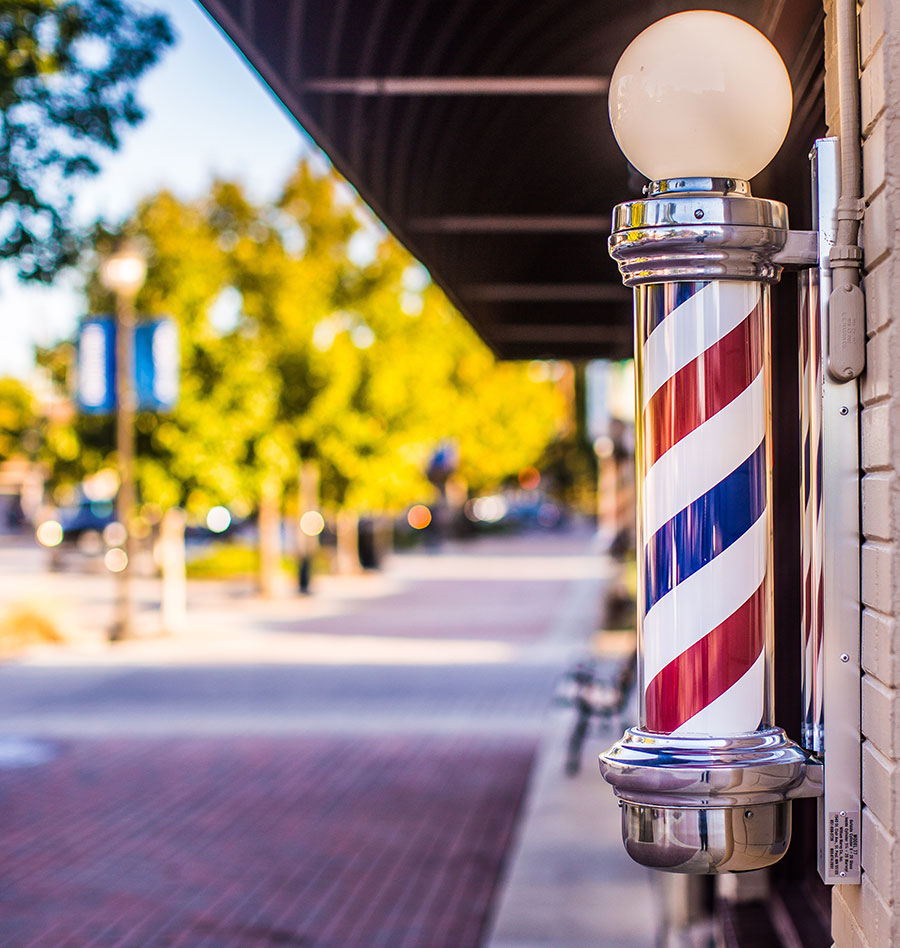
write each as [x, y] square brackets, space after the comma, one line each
[801, 249]
[831, 550]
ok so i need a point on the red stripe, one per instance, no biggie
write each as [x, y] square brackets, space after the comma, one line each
[699, 675]
[703, 387]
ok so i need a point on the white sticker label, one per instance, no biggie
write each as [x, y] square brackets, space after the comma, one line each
[843, 843]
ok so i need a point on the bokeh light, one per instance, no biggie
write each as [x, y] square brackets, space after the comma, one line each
[114, 534]
[419, 516]
[49, 533]
[488, 509]
[218, 520]
[102, 485]
[312, 523]
[529, 478]
[115, 560]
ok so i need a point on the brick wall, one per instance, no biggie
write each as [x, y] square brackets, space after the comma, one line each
[869, 914]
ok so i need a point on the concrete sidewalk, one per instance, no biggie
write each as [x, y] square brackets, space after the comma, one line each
[568, 882]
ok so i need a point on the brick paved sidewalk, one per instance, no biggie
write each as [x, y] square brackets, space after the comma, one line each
[303, 841]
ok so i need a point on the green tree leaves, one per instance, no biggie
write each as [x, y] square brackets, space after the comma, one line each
[68, 70]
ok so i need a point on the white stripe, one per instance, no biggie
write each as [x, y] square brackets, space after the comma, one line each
[705, 599]
[704, 457]
[738, 711]
[693, 327]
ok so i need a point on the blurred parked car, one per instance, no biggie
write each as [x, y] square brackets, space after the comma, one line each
[81, 536]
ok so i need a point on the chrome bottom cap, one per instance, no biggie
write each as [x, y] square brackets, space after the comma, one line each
[707, 840]
[671, 771]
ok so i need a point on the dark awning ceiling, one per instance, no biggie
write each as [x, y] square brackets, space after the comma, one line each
[478, 132]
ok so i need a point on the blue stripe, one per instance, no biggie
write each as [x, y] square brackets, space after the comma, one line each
[663, 298]
[705, 528]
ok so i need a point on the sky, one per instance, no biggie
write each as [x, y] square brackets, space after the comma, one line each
[208, 115]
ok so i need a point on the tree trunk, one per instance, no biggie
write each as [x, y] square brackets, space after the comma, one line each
[270, 538]
[307, 543]
[348, 543]
[173, 606]
[384, 539]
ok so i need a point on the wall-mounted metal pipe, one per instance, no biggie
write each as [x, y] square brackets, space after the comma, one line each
[846, 344]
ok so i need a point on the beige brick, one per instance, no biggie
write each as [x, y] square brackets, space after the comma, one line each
[880, 657]
[869, 916]
[875, 381]
[876, 437]
[880, 296]
[877, 230]
[874, 155]
[871, 90]
[880, 723]
[877, 506]
[878, 922]
[878, 851]
[871, 29]
[879, 775]
[846, 927]
[877, 576]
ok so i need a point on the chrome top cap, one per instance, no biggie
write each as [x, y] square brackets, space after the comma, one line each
[698, 229]
[733, 186]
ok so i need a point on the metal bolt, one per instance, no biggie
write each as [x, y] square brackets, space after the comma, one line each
[748, 814]
[698, 213]
[842, 874]
[844, 658]
[842, 813]
[845, 410]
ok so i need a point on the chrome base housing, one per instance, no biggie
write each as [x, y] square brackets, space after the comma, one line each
[706, 840]
[704, 804]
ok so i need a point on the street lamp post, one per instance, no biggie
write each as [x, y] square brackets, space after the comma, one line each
[123, 273]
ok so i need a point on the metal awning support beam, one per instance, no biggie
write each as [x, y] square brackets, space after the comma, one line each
[510, 224]
[545, 292]
[457, 85]
[566, 334]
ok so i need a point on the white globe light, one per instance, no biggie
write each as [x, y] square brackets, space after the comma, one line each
[700, 94]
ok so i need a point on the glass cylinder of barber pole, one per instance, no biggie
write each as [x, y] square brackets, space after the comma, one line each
[704, 463]
[706, 777]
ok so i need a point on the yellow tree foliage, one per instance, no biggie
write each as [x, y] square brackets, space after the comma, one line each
[297, 344]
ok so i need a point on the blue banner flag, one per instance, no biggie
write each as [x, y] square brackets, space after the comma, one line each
[156, 365]
[96, 387]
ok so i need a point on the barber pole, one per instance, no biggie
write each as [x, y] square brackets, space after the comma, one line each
[706, 778]
[699, 103]
[704, 456]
